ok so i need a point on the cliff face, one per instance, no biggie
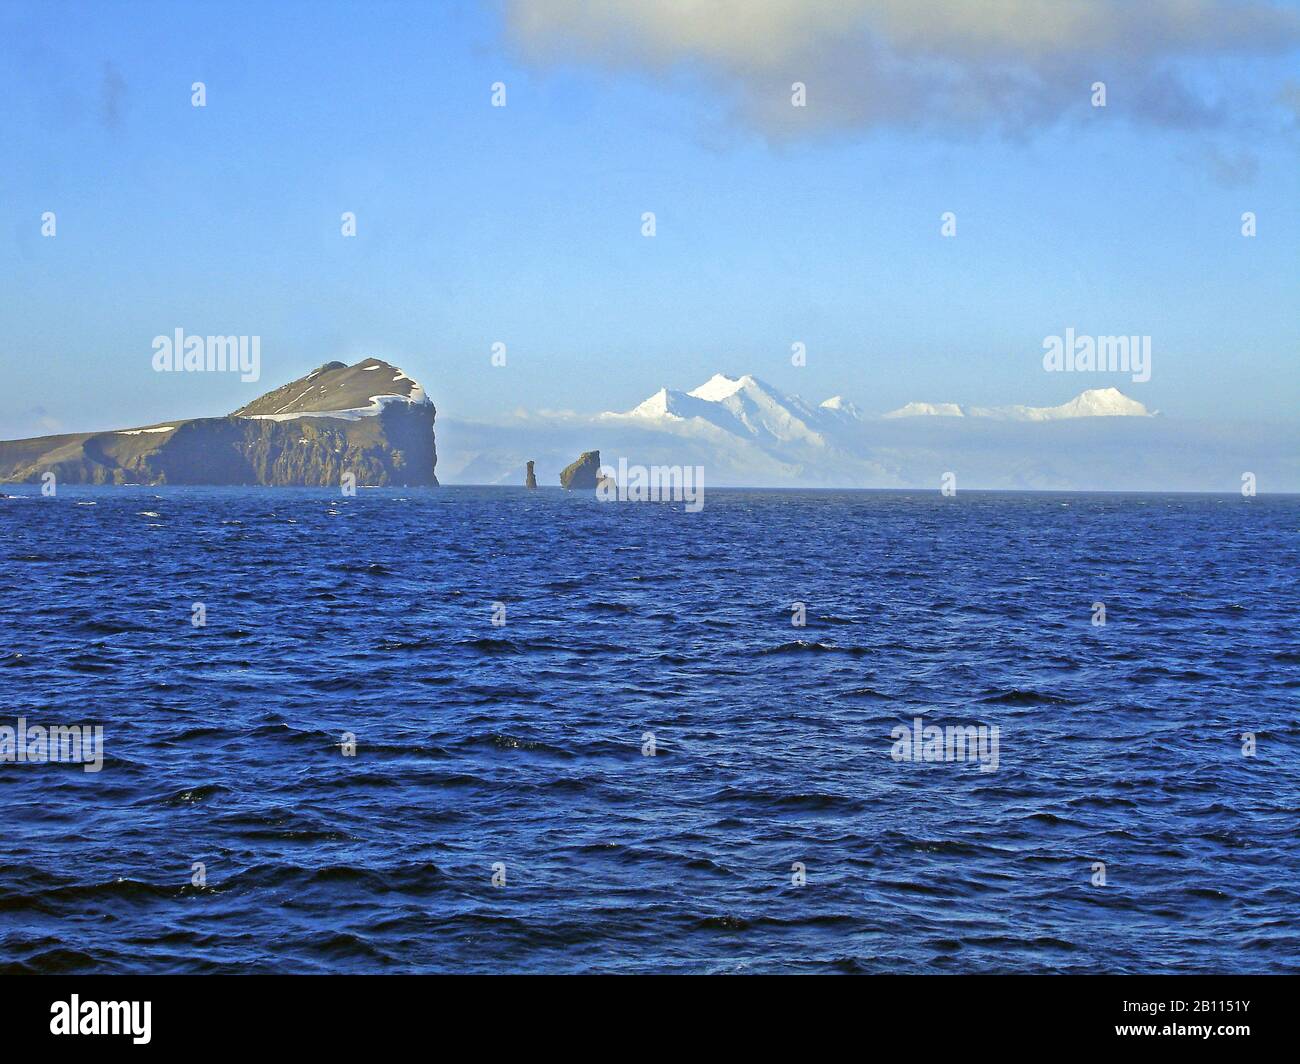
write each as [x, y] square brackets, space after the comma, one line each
[369, 419]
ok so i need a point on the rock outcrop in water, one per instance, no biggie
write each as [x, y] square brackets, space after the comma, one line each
[371, 420]
[531, 481]
[582, 474]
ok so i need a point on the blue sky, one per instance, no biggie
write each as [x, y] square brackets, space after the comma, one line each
[522, 224]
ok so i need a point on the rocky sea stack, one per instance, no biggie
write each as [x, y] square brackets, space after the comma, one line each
[531, 481]
[583, 474]
[370, 419]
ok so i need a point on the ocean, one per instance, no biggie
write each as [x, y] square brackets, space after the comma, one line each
[484, 730]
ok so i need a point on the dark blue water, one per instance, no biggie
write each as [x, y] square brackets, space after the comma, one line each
[522, 744]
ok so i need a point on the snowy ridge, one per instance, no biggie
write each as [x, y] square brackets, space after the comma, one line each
[745, 432]
[1095, 402]
[928, 410]
[742, 405]
[746, 405]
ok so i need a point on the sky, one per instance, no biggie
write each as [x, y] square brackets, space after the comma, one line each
[774, 224]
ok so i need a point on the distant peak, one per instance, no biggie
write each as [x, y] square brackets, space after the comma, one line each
[1096, 402]
[658, 405]
[719, 386]
[837, 404]
[927, 410]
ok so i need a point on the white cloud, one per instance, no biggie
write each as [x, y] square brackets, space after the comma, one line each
[945, 64]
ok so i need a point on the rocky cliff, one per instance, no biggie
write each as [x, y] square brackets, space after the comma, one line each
[369, 419]
[582, 474]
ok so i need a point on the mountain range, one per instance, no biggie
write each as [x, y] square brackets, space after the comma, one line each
[375, 421]
[745, 432]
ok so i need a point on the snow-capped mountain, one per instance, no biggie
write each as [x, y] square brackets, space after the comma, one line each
[1095, 402]
[928, 410]
[838, 406]
[749, 408]
[745, 432]
[750, 432]
[744, 406]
